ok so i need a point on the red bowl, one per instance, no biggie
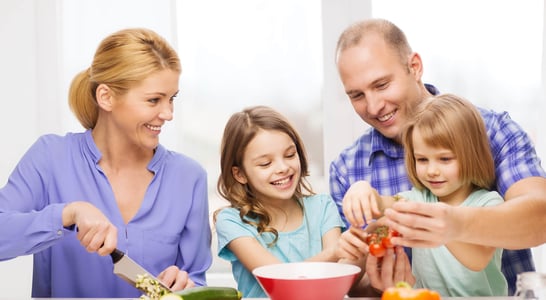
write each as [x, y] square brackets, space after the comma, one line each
[307, 280]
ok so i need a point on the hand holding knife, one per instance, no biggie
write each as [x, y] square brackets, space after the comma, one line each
[129, 270]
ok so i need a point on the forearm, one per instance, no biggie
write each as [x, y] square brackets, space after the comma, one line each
[28, 233]
[515, 224]
[327, 255]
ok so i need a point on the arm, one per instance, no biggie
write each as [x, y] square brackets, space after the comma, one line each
[28, 223]
[329, 246]
[251, 253]
[516, 223]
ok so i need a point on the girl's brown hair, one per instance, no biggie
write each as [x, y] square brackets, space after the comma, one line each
[122, 60]
[239, 131]
[453, 123]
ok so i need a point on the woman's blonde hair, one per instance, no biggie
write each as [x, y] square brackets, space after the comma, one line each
[239, 131]
[453, 123]
[122, 60]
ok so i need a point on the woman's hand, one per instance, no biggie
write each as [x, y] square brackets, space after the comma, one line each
[360, 204]
[95, 232]
[175, 278]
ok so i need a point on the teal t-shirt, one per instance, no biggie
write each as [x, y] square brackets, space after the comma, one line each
[439, 270]
[320, 216]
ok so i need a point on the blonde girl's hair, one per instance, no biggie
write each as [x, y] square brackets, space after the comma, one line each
[361, 31]
[239, 131]
[451, 122]
[121, 61]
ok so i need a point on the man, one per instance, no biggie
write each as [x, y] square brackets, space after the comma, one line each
[382, 77]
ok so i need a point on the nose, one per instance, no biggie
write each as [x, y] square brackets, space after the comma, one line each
[282, 166]
[166, 112]
[374, 104]
[432, 170]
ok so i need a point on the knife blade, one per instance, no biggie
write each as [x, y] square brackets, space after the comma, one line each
[128, 270]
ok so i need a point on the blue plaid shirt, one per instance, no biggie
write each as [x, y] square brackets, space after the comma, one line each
[380, 161]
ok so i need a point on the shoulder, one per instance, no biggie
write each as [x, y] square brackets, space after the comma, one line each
[495, 121]
[228, 213]
[54, 144]
[484, 197]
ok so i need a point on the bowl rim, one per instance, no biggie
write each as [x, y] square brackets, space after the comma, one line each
[355, 270]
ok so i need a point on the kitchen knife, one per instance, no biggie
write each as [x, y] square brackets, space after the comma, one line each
[128, 269]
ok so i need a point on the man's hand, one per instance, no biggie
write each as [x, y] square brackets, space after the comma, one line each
[385, 272]
[422, 224]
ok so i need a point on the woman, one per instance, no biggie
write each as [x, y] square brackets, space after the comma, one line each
[112, 186]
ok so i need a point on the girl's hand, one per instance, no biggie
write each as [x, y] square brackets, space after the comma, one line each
[175, 278]
[95, 232]
[352, 245]
[360, 204]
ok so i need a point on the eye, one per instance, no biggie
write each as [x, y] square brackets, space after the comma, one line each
[446, 158]
[382, 85]
[264, 164]
[154, 100]
[356, 96]
[291, 154]
[421, 159]
[174, 97]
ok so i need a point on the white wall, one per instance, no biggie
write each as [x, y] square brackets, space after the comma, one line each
[34, 86]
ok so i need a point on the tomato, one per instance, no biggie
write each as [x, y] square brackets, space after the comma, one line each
[382, 236]
[403, 291]
[386, 242]
[377, 249]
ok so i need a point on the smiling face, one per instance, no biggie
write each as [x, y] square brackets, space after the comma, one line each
[271, 166]
[383, 87]
[437, 168]
[137, 116]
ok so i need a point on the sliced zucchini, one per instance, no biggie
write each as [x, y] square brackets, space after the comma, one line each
[207, 293]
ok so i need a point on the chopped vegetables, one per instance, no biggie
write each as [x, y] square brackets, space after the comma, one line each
[151, 287]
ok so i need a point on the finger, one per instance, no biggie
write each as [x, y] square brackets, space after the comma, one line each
[364, 208]
[110, 242]
[372, 269]
[387, 268]
[189, 282]
[169, 277]
[408, 276]
[348, 210]
[400, 270]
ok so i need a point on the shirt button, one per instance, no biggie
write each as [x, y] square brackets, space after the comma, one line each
[59, 232]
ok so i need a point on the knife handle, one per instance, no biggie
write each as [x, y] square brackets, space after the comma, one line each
[116, 255]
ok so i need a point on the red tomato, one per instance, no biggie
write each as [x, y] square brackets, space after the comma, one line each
[386, 242]
[377, 249]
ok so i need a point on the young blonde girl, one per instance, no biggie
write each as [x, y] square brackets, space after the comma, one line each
[273, 216]
[449, 160]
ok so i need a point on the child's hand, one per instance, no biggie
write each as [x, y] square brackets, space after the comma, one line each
[352, 245]
[361, 204]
